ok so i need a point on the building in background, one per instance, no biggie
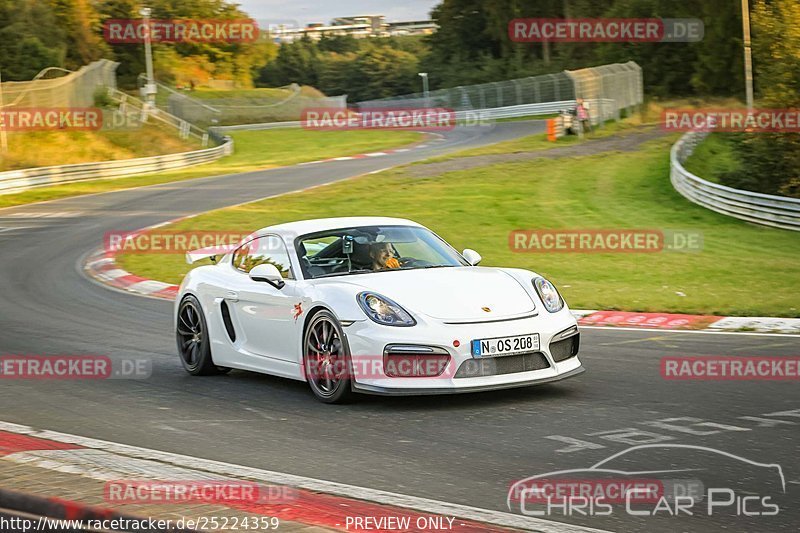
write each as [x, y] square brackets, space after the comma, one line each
[360, 26]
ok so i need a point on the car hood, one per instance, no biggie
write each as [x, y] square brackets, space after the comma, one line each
[457, 294]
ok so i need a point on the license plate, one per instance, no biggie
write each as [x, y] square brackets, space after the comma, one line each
[505, 345]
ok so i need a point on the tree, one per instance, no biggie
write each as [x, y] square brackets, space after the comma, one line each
[340, 44]
[771, 161]
[335, 73]
[82, 32]
[296, 62]
[30, 39]
[382, 71]
[129, 56]
[236, 61]
[718, 68]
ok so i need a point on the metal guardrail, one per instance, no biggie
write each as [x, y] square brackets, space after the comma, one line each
[765, 209]
[524, 110]
[13, 181]
[254, 127]
[185, 129]
[19, 180]
[598, 110]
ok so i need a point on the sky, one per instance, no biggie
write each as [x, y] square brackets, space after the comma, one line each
[305, 11]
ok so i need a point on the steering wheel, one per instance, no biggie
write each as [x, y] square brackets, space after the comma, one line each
[412, 262]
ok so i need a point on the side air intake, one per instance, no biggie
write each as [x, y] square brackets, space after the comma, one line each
[226, 319]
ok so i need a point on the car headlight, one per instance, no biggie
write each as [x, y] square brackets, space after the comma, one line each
[384, 311]
[549, 295]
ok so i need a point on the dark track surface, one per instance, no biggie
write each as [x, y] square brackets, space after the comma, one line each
[463, 449]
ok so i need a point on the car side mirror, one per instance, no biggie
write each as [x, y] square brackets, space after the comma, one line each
[267, 273]
[472, 257]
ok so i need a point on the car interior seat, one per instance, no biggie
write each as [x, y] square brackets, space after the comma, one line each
[306, 265]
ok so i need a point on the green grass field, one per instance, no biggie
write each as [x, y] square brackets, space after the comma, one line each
[742, 269]
[539, 141]
[48, 148]
[253, 150]
[243, 96]
[261, 93]
[712, 158]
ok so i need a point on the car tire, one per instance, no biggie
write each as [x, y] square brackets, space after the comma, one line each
[194, 346]
[326, 356]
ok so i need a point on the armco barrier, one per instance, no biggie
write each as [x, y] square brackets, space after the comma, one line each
[599, 110]
[766, 209]
[254, 127]
[20, 180]
[524, 110]
[602, 107]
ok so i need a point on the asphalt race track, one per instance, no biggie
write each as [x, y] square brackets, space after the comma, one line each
[465, 449]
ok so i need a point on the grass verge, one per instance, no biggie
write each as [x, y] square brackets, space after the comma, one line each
[537, 142]
[713, 158]
[47, 148]
[742, 269]
[254, 150]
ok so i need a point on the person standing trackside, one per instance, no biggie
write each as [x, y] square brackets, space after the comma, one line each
[582, 111]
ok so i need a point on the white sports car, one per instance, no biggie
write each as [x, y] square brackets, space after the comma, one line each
[375, 305]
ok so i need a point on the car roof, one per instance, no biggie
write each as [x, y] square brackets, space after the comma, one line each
[302, 227]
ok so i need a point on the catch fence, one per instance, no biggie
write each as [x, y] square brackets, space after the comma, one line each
[613, 88]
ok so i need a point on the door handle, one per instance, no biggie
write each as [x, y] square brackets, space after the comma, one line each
[232, 296]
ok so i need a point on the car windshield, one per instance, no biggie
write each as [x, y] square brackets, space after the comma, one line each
[368, 249]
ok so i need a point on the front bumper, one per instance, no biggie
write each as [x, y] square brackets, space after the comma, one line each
[408, 391]
[368, 341]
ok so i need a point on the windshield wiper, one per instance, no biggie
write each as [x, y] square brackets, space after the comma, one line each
[415, 268]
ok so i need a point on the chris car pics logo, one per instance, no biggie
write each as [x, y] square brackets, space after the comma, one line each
[656, 480]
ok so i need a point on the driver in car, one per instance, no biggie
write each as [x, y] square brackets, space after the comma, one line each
[382, 256]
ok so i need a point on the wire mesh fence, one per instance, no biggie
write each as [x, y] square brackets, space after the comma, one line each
[75, 89]
[82, 89]
[611, 88]
[283, 104]
[532, 90]
[608, 90]
[614, 87]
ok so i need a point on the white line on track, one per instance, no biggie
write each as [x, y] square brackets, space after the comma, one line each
[425, 505]
[12, 228]
[43, 214]
[379, 170]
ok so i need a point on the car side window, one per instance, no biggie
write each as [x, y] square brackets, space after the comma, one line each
[268, 249]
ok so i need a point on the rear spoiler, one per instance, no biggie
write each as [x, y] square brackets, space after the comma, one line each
[212, 253]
